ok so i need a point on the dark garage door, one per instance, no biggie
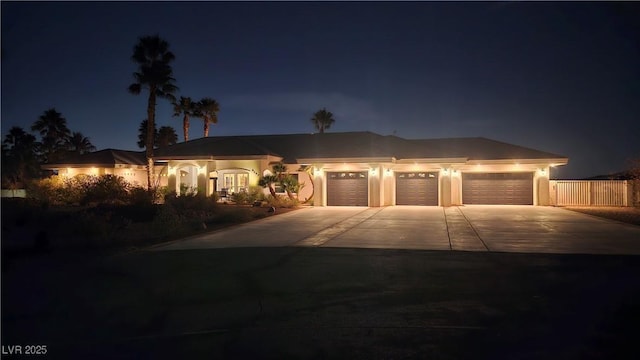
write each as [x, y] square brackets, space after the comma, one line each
[497, 188]
[347, 189]
[417, 188]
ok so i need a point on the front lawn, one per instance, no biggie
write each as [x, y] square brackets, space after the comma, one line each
[29, 227]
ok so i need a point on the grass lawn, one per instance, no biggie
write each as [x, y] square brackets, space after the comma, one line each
[29, 228]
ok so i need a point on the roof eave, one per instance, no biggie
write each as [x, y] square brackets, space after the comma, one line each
[549, 161]
[212, 157]
[346, 160]
[453, 160]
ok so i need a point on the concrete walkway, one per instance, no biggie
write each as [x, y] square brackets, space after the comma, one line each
[497, 228]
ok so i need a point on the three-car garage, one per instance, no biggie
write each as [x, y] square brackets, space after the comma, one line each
[351, 188]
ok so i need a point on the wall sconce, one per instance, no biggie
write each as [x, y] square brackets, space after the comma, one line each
[542, 172]
[387, 172]
[445, 171]
[372, 171]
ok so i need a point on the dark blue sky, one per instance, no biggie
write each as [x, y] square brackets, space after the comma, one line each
[559, 77]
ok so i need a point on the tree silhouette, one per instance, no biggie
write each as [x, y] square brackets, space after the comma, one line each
[166, 136]
[207, 109]
[79, 144]
[155, 74]
[19, 158]
[55, 134]
[322, 120]
[184, 107]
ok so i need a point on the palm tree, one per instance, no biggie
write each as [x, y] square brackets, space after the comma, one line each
[153, 57]
[267, 181]
[166, 136]
[322, 120]
[19, 158]
[80, 144]
[207, 109]
[143, 132]
[185, 107]
[54, 132]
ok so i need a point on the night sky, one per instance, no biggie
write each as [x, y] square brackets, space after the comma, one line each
[559, 77]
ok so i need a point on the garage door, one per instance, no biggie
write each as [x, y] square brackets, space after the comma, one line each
[498, 188]
[417, 188]
[347, 189]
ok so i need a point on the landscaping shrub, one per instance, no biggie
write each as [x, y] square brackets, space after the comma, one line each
[74, 190]
[141, 196]
[47, 190]
[249, 197]
[167, 221]
[108, 189]
[281, 201]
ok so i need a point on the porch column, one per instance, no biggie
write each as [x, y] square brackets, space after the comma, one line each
[318, 186]
[541, 187]
[172, 183]
[374, 187]
[445, 187]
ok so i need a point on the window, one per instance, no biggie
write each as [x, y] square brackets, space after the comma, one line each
[234, 182]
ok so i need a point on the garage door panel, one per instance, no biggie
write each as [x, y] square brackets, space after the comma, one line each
[347, 189]
[417, 188]
[497, 188]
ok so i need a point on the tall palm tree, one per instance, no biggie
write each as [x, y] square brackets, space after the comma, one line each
[166, 136]
[155, 74]
[322, 120]
[184, 107]
[207, 109]
[80, 144]
[55, 133]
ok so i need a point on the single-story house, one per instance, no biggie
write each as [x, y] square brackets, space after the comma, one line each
[350, 168]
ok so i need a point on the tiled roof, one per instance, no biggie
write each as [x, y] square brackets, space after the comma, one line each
[105, 158]
[478, 148]
[292, 147]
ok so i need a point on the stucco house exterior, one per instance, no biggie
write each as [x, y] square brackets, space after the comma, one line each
[350, 168]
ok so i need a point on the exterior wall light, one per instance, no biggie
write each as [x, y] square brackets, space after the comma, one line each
[445, 171]
[372, 171]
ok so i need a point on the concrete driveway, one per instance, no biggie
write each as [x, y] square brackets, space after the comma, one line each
[498, 228]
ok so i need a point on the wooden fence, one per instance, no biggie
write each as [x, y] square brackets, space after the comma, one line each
[591, 192]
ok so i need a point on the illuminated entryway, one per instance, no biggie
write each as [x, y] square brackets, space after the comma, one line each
[187, 178]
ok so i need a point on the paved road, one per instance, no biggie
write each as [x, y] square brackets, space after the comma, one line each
[322, 302]
[496, 228]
